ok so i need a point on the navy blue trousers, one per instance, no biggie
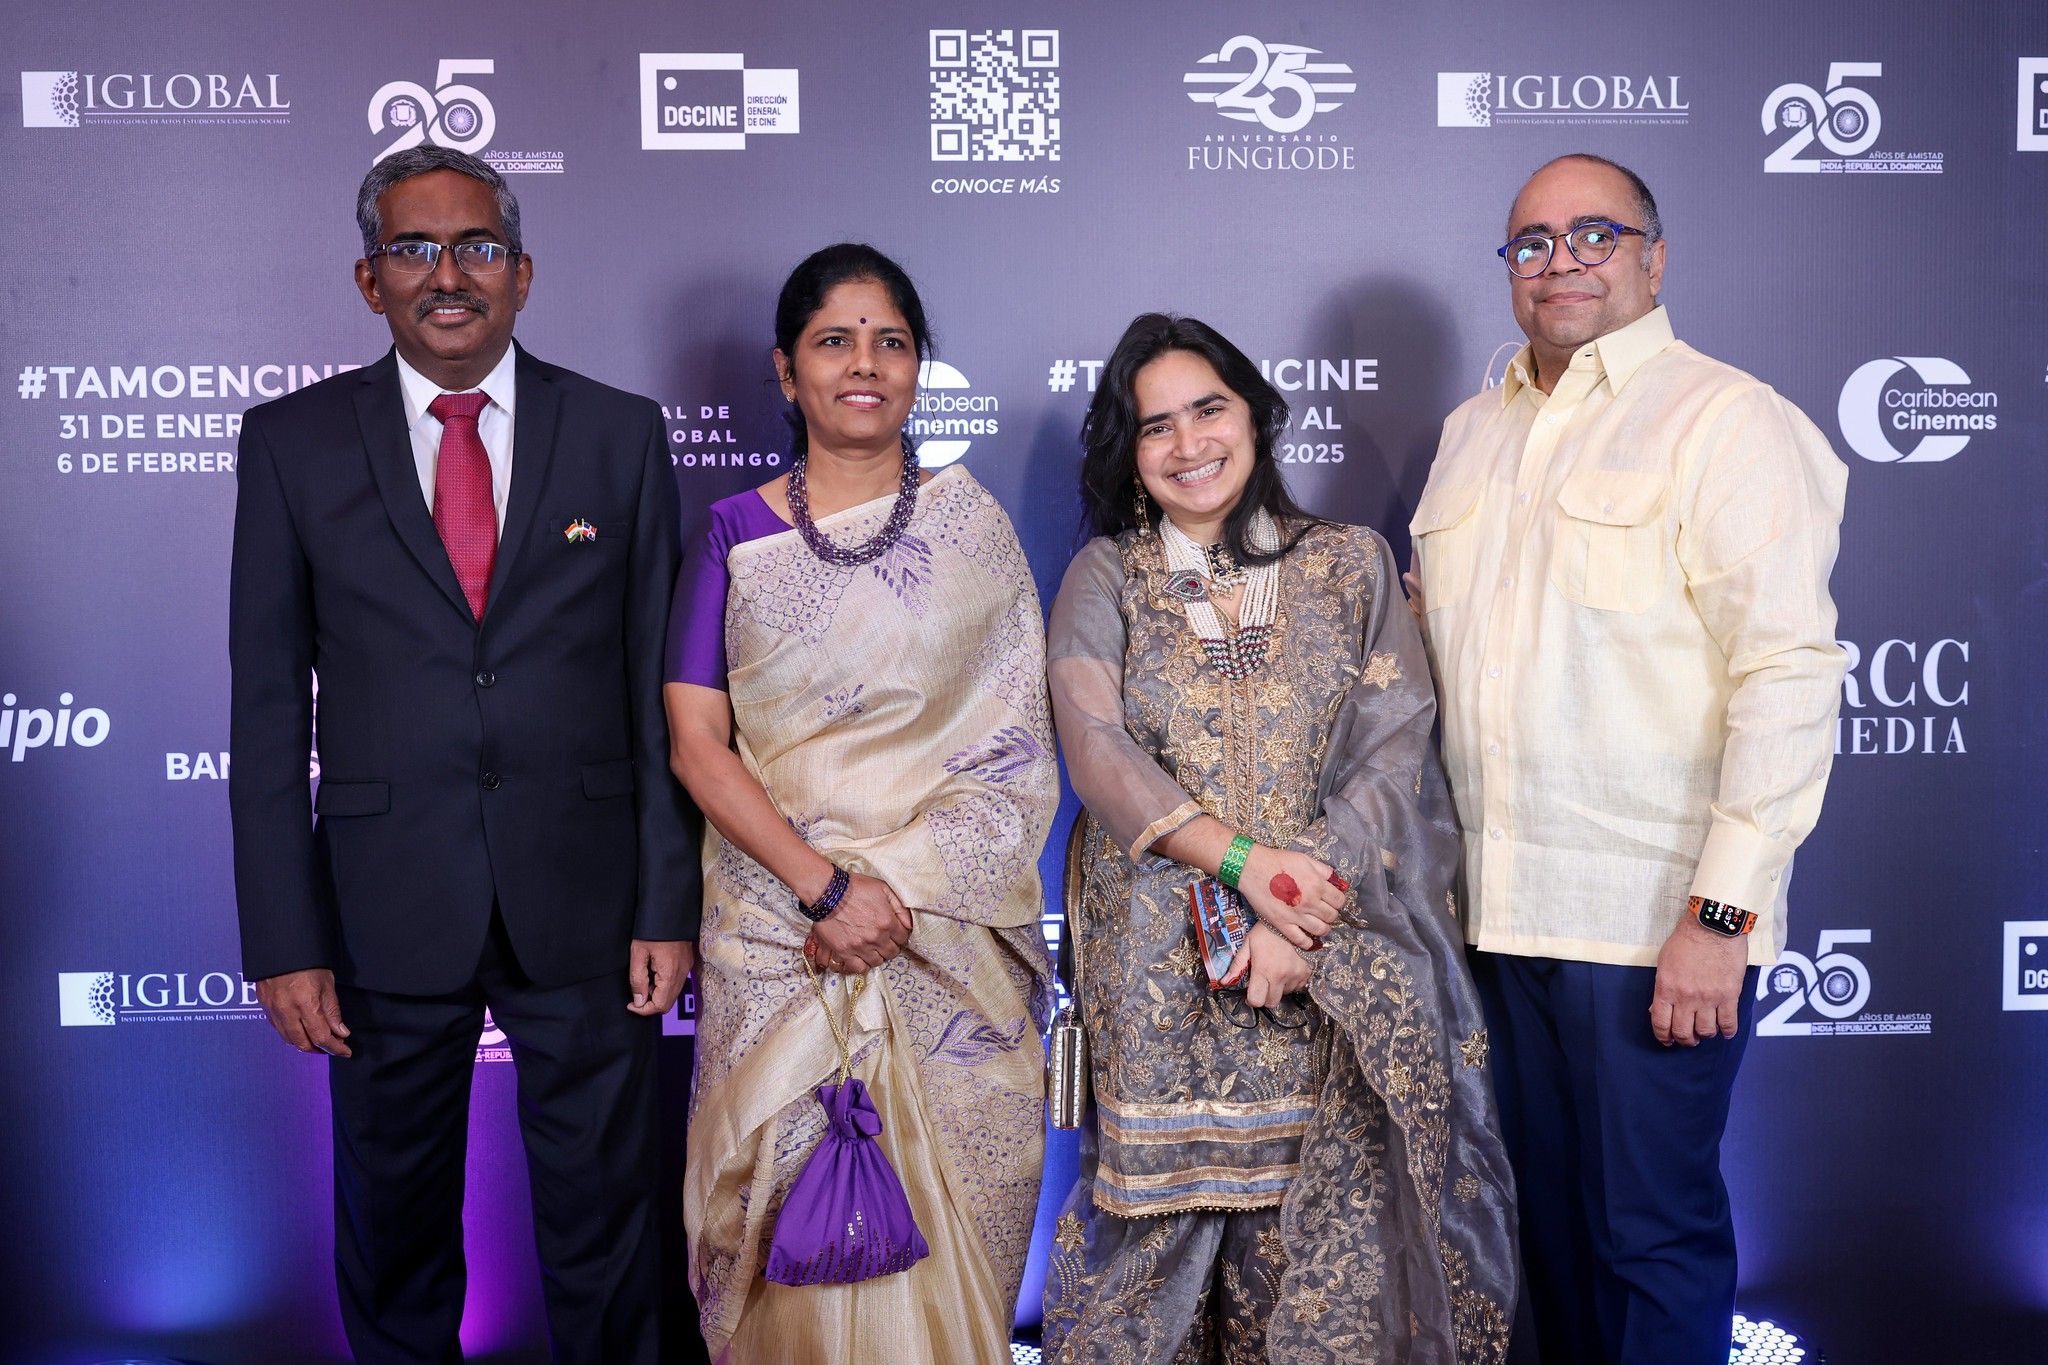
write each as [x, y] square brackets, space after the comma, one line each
[1628, 1249]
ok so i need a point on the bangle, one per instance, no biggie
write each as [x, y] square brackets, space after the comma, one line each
[835, 890]
[1232, 866]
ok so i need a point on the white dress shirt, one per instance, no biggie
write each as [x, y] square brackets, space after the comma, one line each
[1626, 593]
[493, 424]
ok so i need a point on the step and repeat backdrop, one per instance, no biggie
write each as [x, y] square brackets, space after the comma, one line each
[1855, 195]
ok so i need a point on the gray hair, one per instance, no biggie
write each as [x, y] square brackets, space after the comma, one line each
[418, 161]
[1646, 203]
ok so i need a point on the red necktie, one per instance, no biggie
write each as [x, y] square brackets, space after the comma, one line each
[462, 495]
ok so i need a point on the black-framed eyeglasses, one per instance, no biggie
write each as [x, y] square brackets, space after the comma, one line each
[1590, 244]
[471, 258]
[1237, 1008]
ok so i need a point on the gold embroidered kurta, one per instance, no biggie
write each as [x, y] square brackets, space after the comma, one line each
[1371, 1126]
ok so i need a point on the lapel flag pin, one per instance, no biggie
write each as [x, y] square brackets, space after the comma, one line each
[580, 529]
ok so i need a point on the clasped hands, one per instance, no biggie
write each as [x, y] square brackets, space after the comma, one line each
[869, 927]
[1297, 899]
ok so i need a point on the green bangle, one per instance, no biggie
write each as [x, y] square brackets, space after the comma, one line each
[1232, 866]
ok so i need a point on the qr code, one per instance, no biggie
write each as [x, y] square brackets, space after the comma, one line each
[995, 94]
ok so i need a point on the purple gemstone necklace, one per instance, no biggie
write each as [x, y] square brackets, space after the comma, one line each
[899, 516]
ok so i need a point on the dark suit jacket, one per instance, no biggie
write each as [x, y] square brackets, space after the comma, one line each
[523, 761]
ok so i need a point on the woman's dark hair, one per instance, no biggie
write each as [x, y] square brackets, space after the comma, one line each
[816, 276]
[1109, 435]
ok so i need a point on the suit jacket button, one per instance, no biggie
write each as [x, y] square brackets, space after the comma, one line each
[490, 782]
[486, 678]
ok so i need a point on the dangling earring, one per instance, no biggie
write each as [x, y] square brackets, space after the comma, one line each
[1140, 512]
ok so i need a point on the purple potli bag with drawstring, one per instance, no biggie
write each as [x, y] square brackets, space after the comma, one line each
[846, 1218]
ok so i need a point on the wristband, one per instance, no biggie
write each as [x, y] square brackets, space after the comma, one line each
[1232, 866]
[835, 890]
[1725, 920]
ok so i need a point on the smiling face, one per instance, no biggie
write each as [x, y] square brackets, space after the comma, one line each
[450, 326]
[1196, 441]
[852, 371]
[1570, 304]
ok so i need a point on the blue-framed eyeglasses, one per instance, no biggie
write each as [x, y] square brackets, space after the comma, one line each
[1590, 244]
[472, 258]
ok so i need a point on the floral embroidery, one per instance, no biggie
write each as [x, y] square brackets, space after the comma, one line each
[1473, 1049]
[1310, 1305]
[906, 567]
[970, 1040]
[845, 702]
[1382, 670]
[1067, 1236]
[1008, 753]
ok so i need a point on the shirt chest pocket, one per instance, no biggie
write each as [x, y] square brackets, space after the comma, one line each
[1445, 531]
[1610, 551]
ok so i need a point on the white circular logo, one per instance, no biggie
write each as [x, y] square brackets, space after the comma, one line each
[1872, 407]
[948, 414]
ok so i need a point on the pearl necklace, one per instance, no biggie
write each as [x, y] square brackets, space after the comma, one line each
[1192, 579]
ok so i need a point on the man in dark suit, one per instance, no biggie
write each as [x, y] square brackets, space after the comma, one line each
[473, 551]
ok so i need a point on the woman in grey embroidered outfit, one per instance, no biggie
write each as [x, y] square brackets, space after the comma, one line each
[1309, 1169]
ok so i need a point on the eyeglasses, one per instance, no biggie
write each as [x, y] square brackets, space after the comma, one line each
[472, 258]
[1590, 244]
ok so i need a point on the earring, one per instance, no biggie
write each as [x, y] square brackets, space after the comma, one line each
[1140, 512]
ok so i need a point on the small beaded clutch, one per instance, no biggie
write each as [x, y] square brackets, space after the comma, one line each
[1066, 1081]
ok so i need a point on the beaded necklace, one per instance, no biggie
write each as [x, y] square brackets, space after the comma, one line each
[1195, 576]
[799, 495]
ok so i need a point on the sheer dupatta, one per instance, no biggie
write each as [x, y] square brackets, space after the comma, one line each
[1399, 1228]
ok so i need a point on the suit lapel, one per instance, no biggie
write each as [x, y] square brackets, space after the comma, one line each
[533, 450]
[380, 414]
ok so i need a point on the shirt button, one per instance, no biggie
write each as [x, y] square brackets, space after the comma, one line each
[490, 781]
[1607, 507]
[1493, 672]
[1493, 748]
[1550, 418]
[1524, 499]
[1507, 580]
[1493, 833]
[486, 678]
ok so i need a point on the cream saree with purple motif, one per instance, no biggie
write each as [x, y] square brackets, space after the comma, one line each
[896, 714]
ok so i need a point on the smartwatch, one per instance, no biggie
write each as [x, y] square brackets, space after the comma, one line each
[1725, 920]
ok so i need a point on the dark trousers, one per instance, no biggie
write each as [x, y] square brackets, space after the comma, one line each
[401, 1127]
[1628, 1249]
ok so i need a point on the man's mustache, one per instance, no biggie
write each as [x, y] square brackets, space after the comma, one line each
[437, 300]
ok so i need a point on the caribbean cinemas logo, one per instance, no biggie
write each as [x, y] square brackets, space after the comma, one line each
[25, 729]
[1278, 91]
[85, 99]
[103, 999]
[1487, 99]
[457, 114]
[1904, 697]
[1825, 995]
[1913, 409]
[949, 413]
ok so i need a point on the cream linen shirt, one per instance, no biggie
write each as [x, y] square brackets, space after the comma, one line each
[1626, 586]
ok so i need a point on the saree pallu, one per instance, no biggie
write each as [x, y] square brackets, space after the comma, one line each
[1366, 1138]
[895, 713]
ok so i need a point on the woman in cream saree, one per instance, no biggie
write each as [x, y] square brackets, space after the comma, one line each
[891, 716]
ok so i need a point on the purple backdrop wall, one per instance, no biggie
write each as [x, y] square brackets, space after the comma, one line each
[1854, 195]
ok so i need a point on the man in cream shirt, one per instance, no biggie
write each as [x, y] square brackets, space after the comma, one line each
[1623, 556]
